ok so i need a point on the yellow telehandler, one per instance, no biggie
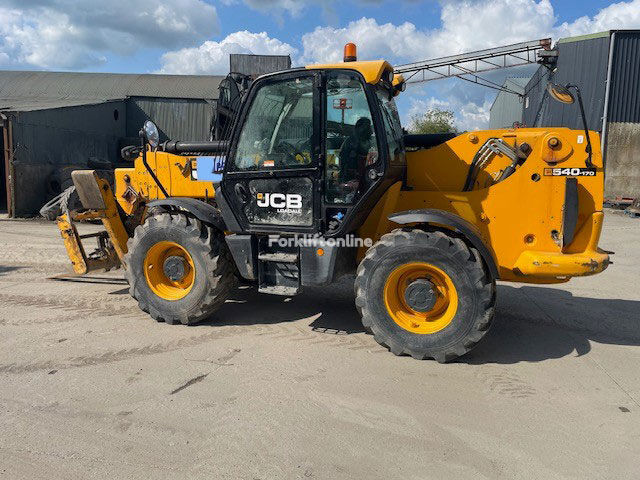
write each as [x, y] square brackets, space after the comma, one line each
[318, 179]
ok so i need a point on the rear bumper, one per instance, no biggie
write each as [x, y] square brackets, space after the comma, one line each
[580, 258]
[558, 265]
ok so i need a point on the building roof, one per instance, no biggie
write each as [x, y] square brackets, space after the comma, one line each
[36, 90]
[31, 105]
[581, 38]
[606, 33]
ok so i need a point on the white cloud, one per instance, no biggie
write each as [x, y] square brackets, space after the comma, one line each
[492, 23]
[213, 57]
[420, 105]
[616, 16]
[471, 116]
[294, 7]
[83, 33]
[373, 40]
[79, 34]
[465, 25]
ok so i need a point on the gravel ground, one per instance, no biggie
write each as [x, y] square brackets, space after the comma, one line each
[285, 388]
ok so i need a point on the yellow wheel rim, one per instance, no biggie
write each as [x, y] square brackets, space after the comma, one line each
[443, 310]
[157, 279]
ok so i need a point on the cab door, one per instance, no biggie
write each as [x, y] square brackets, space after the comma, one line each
[272, 172]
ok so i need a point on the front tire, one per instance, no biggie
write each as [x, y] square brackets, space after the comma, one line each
[425, 294]
[179, 269]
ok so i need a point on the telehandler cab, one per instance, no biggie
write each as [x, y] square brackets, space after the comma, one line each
[317, 179]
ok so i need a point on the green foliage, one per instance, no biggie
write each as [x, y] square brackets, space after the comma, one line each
[434, 120]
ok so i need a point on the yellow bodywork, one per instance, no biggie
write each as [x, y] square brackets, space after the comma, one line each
[174, 172]
[371, 70]
[519, 218]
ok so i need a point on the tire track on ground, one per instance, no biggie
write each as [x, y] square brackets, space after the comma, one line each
[43, 321]
[295, 333]
[111, 356]
[506, 383]
[86, 306]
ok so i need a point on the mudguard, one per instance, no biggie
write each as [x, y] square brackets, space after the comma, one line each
[453, 222]
[202, 211]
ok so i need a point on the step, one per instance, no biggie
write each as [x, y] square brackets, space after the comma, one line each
[279, 290]
[278, 257]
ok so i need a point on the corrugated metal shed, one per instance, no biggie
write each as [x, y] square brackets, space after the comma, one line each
[57, 122]
[507, 107]
[177, 119]
[622, 134]
[624, 97]
[256, 65]
[48, 144]
[581, 61]
[33, 87]
[61, 121]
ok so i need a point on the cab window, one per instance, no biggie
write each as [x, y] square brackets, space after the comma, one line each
[278, 129]
[351, 144]
[392, 127]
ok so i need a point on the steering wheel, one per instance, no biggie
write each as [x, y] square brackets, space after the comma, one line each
[289, 149]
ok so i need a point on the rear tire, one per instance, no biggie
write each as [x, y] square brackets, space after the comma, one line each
[460, 300]
[207, 268]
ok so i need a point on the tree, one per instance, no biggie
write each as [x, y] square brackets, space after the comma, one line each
[434, 120]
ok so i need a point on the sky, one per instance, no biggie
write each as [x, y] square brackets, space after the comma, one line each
[197, 36]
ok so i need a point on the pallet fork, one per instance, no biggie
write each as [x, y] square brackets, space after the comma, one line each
[99, 203]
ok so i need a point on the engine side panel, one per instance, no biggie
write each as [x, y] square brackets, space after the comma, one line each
[519, 218]
[176, 173]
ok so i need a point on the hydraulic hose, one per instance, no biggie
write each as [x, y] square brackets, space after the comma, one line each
[213, 146]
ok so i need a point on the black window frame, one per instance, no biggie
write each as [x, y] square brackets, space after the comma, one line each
[312, 170]
[358, 211]
[242, 118]
[355, 213]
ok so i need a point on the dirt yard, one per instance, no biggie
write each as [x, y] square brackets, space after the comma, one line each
[286, 388]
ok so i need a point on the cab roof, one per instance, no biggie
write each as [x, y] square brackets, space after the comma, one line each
[371, 70]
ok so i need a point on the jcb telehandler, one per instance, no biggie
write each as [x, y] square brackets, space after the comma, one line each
[317, 179]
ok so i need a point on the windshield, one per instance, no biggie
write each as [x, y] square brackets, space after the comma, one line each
[393, 129]
[279, 127]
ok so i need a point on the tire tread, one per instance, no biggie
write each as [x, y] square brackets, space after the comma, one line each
[210, 244]
[458, 249]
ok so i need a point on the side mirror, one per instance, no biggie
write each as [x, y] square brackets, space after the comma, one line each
[151, 133]
[399, 84]
[560, 93]
[398, 88]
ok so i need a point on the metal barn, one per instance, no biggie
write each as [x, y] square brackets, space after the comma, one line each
[52, 123]
[507, 107]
